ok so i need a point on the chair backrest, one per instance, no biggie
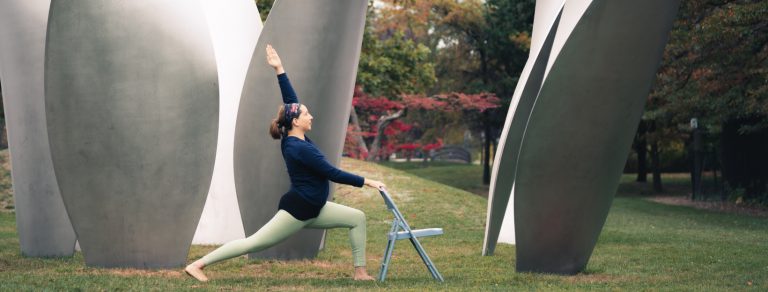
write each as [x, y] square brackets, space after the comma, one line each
[388, 200]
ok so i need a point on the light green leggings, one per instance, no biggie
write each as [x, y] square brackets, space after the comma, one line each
[281, 226]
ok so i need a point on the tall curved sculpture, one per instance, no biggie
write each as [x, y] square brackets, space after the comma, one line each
[319, 42]
[500, 220]
[581, 126]
[41, 219]
[132, 111]
[235, 27]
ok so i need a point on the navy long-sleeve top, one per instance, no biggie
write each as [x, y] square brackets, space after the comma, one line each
[307, 167]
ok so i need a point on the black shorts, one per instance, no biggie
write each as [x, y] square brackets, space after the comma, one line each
[298, 207]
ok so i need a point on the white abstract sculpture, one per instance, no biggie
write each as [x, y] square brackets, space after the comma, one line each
[235, 28]
[501, 221]
[132, 106]
[41, 219]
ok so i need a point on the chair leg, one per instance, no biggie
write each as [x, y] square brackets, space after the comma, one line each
[397, 224]
[386, 260]
[425, 258]
[388, 252]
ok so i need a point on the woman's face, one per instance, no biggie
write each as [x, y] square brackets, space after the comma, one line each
[304, 121]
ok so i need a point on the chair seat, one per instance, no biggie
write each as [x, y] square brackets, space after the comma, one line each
[417, 233]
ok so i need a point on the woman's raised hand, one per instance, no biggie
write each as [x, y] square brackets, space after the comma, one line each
[274, 60]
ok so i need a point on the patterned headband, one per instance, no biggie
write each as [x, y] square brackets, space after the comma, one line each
[291, 111]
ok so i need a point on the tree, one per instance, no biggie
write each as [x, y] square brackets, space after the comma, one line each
[376, 114]
[386, 133]
[393, 65]
[390, 65]
[477, 46]
[714, 69]
[264, 7]
[640, 145]
[495, 36]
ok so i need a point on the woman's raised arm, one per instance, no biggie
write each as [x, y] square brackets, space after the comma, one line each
[274, 60]
[286, 90]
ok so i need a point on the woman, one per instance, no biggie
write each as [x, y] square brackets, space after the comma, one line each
[305, 204]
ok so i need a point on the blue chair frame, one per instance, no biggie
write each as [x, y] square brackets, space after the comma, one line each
[401, 230]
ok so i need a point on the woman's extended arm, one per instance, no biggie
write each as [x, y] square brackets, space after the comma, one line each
[315, 160]
[286, 90]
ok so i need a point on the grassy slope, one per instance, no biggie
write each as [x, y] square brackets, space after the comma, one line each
[644, 246]
[467, 177]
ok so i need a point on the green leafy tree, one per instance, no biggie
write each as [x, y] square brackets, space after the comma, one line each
[488, 45]
[393, 65]
[264, 7]
[715, 69]
[477, 46]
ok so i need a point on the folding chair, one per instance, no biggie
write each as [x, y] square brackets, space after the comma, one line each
[395, 234]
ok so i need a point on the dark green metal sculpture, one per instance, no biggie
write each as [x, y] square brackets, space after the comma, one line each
[578, 133]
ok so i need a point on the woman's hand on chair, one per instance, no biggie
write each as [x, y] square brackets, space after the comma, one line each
[274, 60]
[375, 184]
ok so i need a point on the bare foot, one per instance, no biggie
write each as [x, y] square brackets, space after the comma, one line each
[196, 271]
[362, 275]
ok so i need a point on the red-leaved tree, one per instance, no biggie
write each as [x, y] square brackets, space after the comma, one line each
[376, 131]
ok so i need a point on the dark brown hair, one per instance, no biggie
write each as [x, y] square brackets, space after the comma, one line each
[274, 129]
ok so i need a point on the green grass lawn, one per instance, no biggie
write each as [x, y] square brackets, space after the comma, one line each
[468, 177]
[644, 246]
[6, 189]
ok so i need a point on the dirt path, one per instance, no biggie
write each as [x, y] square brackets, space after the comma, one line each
[725, 207]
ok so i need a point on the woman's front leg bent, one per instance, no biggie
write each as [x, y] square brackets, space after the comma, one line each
[339, 216]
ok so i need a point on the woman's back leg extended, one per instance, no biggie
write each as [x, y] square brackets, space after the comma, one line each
[276, 230]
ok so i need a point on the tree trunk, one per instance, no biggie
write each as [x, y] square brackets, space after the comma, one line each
[696, 190]
[641, 148]
[718, 185]
[744, 158]
[4, 134]
[487, 153]
[382, 124]
[356, 126]
[486, 118]
[656, 165]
